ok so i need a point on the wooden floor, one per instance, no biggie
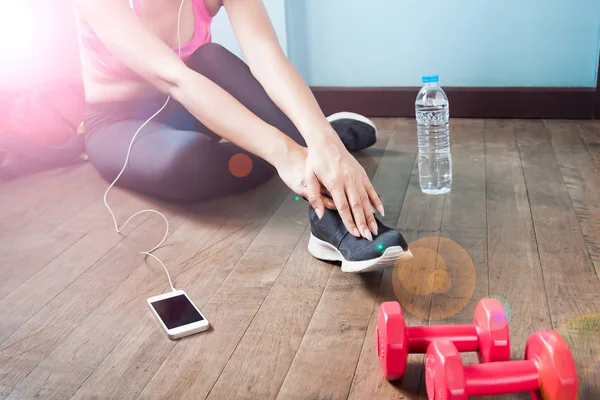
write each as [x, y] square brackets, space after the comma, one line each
[522, 223]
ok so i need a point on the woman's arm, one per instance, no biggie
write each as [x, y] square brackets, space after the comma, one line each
[328, 161]
[152, 59]
[270, 66]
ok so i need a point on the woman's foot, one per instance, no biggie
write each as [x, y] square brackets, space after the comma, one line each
[330, 241]
[356, 131]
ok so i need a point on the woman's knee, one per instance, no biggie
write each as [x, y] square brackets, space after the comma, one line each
[212, 59]
[202, 170]
[229, 72]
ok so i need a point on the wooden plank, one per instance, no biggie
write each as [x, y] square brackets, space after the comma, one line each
[394, 174]
[192, 367]
[259, 363]
[137, 357]
[23, 259]
[580, 175]
[40, 193]
[558, 232]
[340, 321]
[515, 272]
[582, 334]
[35, 293]
[590, 133]
[29, 254]
[333, 338]
[462, 251]
[418, 214]
[385, 125]
[35, 340]
[460, 219]
[272, 339]
[571, 283]
[47, 219]
[98, 237]
[76, 358]
[460, 276]
[27, 184]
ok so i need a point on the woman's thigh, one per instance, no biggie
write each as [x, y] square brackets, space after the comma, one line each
[173, 164]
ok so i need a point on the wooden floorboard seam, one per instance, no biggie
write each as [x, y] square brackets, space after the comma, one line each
[571, 200]
[262, 226]
[307, 228]
[375, 309]
[66, 287]
[533, 224]
[587, 146]
[39, 362]
[57, 294]
[485, 192]
[75, 327]
[107, 355]
[375, 300]
[303, 336]
[393, 219]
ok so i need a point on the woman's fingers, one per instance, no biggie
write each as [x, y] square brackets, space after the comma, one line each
[358, 211]
[314, 195]
[327, 198]
[329, 204]
[339, 197]
[369, 212]
[373, 196]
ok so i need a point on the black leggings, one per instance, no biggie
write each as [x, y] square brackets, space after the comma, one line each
[175, 157]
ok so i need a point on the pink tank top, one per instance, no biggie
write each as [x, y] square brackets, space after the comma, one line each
[110, 65]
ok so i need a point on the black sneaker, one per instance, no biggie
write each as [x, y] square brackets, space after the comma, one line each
[357, 132]
[331, 241]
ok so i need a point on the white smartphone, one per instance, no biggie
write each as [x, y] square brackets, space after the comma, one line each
[177, 315]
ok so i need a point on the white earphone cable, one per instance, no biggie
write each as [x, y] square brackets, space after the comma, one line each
[119, 229]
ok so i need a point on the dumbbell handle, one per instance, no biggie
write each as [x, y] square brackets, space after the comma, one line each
[464, 337]
[501, 378]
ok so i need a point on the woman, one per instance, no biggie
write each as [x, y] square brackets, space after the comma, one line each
[134, 52]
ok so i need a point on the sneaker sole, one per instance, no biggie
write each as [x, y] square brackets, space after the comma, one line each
[324, 251]
[355, 116]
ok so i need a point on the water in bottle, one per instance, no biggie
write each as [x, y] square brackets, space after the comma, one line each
[435, 161]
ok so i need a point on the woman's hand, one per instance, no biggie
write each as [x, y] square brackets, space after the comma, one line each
[332, 166]
[292, 171]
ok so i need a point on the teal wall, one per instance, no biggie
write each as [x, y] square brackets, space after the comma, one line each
[466, 42]
[364, 42]
[222, 32]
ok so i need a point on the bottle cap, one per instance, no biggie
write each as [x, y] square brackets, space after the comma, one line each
[429, 78]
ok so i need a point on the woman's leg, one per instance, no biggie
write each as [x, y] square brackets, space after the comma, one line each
[177, 157]
[232, 74]
[172, 164]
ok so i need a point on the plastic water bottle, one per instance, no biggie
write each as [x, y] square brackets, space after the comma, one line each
[435, 161]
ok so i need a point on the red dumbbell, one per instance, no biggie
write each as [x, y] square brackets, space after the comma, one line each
[488, 335]
[548, 372]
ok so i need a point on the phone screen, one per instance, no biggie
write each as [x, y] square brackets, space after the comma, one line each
[176, 311]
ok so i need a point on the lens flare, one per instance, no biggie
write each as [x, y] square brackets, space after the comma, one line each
[17, 30]
[582, 334]
[438, 282]
[240, 165]
[507, 308]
